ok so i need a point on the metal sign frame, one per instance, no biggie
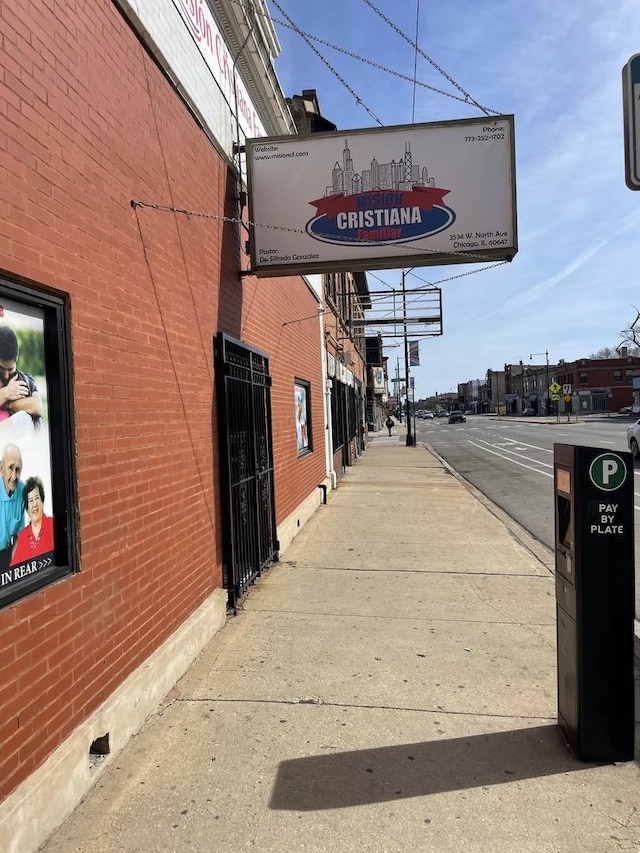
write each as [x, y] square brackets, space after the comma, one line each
[631, 97]
[427, 194]
[397, 312]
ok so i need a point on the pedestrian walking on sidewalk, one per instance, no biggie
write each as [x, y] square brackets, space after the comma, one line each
[390, 422]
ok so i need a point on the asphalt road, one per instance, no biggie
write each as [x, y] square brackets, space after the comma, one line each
[511, 462]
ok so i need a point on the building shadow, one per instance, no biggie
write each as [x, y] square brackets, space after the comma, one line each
[362, 777]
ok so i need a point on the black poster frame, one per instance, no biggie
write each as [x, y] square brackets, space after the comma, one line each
[304, 385]
[55, 307]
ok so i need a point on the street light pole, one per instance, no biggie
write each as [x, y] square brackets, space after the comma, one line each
[406, 359]
[546, 357]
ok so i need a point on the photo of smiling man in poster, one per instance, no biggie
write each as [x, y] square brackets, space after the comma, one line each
[20, 401]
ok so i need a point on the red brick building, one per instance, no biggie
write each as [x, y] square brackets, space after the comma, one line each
[599, 385]
[137, 308]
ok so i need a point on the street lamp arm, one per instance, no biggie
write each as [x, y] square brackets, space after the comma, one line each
[546, 358]
[545, 354]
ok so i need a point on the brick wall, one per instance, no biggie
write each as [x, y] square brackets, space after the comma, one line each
[89, 123]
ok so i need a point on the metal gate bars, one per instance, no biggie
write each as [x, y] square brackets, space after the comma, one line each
[244, 406]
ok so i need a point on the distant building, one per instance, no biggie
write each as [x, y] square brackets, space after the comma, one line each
[599, 385]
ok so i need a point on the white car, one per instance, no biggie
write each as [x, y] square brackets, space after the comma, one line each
[633, 439]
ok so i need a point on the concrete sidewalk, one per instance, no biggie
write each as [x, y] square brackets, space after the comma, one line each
[388, 686]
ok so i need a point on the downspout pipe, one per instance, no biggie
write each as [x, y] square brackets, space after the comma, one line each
[326, 400]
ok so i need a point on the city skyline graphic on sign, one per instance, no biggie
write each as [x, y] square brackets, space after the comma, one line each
[387, 203]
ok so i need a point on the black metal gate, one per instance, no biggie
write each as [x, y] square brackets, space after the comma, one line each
[249, 537]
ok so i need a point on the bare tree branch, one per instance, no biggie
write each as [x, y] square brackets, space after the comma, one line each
[632, 334]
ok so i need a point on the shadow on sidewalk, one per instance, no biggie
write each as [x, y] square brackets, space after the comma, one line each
[417, 769]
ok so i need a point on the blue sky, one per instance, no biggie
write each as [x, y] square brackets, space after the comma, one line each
[574, 283]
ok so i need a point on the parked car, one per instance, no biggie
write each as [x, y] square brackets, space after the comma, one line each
[633, 439]
[625, 410]
[528, 411]
[428, 416]
[457, 417]
[442, 413]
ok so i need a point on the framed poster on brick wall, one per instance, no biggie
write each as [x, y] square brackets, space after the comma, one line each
[38, 528]
[302, 402]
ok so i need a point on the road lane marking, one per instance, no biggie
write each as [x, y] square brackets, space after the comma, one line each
[529, 467]
[528, 458]
[515, 461]
[512, 441]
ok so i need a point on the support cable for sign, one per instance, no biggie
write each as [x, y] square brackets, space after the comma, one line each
[404, 248]
[358, 99]
[366, 61]
[403, 35]
[440, 281]
[178, 385]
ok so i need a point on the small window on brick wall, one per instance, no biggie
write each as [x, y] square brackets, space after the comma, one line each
[584, 378]
[617, 375]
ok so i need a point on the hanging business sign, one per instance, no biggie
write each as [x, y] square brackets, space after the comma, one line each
[412, 195]
[378, 380]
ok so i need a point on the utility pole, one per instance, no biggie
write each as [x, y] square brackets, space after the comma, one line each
[546, 357]
[406, 360]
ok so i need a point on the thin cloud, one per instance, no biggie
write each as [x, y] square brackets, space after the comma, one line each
[538, 291]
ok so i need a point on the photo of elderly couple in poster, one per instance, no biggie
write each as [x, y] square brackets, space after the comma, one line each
[26, 513]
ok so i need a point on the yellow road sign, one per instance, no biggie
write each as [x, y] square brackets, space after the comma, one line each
[555, 388]
[555, 396]
[567, 398]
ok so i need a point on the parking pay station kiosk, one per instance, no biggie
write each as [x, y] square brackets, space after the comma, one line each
[595, 589]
